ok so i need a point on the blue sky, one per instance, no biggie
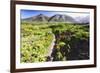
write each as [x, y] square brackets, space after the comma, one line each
[30, 13]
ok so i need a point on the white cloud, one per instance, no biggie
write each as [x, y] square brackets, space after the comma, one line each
[75, 14]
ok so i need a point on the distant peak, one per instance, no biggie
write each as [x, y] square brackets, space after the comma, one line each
[58, 14]
[40, 14]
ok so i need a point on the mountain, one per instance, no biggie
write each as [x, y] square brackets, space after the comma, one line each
[61, 18]
[37, 18]
[58, 18]
[85, 20]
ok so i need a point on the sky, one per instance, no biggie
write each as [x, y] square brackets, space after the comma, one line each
[30, 13]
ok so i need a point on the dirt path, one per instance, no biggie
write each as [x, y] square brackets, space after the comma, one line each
[51, 46]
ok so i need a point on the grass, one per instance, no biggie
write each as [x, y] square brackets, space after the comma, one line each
[37, 37]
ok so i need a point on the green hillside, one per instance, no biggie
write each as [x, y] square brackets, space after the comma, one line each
[71, 42]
